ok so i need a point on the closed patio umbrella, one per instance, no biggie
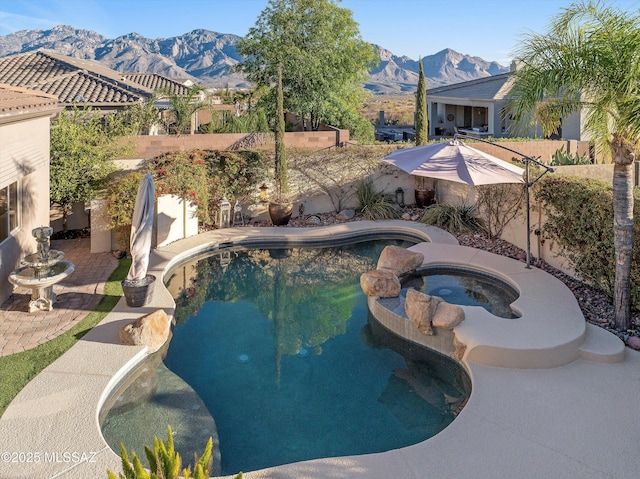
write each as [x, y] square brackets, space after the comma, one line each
[455, 161]
[138, 286]
[141, 230]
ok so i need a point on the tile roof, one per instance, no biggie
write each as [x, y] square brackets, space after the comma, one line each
[495, 87]
[153, 81]
[17, 103]
[71, 79]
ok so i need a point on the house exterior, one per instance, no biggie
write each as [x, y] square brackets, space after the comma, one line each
[478, 108]
[24, 173]
[72, 80]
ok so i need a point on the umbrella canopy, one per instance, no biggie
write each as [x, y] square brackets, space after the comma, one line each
[455, 161]
[141, 230]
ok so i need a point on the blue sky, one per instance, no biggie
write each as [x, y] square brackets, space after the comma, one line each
[489, 29]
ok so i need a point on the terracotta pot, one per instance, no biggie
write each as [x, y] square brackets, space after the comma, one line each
[280, 213]
[425, 198]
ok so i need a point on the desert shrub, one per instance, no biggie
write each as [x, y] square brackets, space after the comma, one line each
[234, 174]
[453, 218]
[376, 205]
[360, 129]
[226, 122]
[580, 220]
[498, 205]
[337, 172]
[561, 157]
[164, 462]
[120, 200]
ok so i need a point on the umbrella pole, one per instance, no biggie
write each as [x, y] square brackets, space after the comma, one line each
[526, 174]
[528, 184]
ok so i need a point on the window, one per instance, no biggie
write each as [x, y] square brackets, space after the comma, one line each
[9, 219]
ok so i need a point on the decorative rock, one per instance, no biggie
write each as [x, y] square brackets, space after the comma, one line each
[346, 214]
[399, 260]
[634, 342]
[420, 308]
[406, 216]
[313, 220]
[447, 316]
[415, 217]
[151, 330]
[380, 284]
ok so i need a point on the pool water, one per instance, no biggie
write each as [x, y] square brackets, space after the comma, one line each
[466, 287]
[279, 346]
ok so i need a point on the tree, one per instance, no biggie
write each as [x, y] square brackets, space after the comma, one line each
[281, 177]
[324, 61]
[589, 61]
[141, 117]
[421, 108]
[182, 109]
[83, 145]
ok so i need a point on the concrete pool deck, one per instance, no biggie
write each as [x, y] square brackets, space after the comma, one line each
[578, 419]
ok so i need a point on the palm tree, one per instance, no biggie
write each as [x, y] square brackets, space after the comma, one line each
[182, 109]
[588, 61]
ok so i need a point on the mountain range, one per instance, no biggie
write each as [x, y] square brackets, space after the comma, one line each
[206, 58]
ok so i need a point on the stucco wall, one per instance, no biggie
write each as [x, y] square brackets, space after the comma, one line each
[154, 145]
[543, 150]
[24, 153]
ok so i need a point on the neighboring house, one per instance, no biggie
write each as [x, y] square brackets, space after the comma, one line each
[479, 108]
[24, 173]
[83, 82]
[72, 80]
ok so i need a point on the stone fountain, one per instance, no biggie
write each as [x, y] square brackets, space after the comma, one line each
[41, 270]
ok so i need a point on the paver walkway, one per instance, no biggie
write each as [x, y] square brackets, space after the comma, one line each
[77, 295]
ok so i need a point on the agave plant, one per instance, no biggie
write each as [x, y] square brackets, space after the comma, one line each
[375, 205]
[453, 218]
[164, 462]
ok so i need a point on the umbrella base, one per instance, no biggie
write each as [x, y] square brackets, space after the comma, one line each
[139, 294]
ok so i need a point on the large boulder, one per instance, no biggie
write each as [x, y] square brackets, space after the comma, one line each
[380, 284]
[447, 316]
[151, 330]
[420, 308]
[399, 260]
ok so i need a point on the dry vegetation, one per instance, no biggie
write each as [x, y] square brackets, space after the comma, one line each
[398, 109]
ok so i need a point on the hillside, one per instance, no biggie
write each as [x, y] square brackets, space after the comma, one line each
[208, 58]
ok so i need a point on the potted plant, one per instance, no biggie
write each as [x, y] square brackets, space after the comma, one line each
[280, 207]
[424, 196]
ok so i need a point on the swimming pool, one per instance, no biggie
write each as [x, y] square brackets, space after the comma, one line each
[466, 287]
[279, 346]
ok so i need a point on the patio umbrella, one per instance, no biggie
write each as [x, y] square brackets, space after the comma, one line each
[455, 161]
[141, 231]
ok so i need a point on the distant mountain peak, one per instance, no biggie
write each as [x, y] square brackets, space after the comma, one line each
[207, 57]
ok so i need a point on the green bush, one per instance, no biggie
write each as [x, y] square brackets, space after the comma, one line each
[453, 218]
[184, 174]
[375, 205]
[580, 221]
[203, 177]
[498, 205]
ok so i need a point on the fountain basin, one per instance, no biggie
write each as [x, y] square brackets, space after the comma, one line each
[41, 282]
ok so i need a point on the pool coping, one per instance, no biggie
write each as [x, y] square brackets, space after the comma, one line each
[48, 419]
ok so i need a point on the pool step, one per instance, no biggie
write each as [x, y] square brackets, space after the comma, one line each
[601, 346]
